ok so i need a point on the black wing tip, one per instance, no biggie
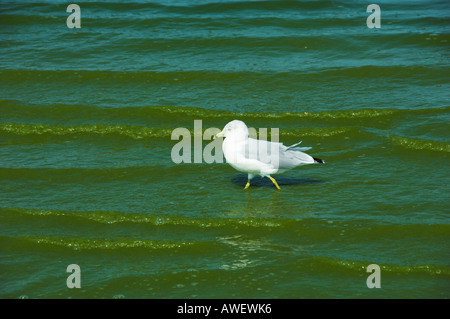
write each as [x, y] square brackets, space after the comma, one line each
[318, 160]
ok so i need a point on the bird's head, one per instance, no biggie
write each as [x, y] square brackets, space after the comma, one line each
[234, 128]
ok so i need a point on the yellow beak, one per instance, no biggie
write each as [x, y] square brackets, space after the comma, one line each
[218, 135]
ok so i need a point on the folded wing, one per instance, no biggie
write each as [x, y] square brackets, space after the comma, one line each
[276, 154]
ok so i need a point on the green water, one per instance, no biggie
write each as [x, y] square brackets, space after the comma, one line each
[87, 178]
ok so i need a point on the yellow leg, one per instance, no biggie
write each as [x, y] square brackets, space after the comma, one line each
[274, 181]
[247, 185]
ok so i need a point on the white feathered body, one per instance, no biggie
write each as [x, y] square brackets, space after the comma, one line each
[260, 157]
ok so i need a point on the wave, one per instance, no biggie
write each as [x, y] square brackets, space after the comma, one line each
[25, 19]
[420, 144]
[95, 76]
[269, 45]
[108, 217]
[319, 263]
[228, 23]
[426, 21]
[277, 38]
[139, 132]
[224, 225]
[64, 113]
[134, 132]
[96, 243]
[295, 225]
[358, 266]
[86, 175]
[220, 7]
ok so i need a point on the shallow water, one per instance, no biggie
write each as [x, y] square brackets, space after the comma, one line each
[85, 158]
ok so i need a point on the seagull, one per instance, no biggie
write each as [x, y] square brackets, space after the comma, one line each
[260, 157]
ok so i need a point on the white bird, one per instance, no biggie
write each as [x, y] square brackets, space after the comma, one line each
[260, 157]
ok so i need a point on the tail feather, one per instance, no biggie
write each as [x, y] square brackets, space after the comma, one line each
[318, 160]
[294, 147]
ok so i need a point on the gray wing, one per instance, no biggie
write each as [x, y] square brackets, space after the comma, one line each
[266, 152]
